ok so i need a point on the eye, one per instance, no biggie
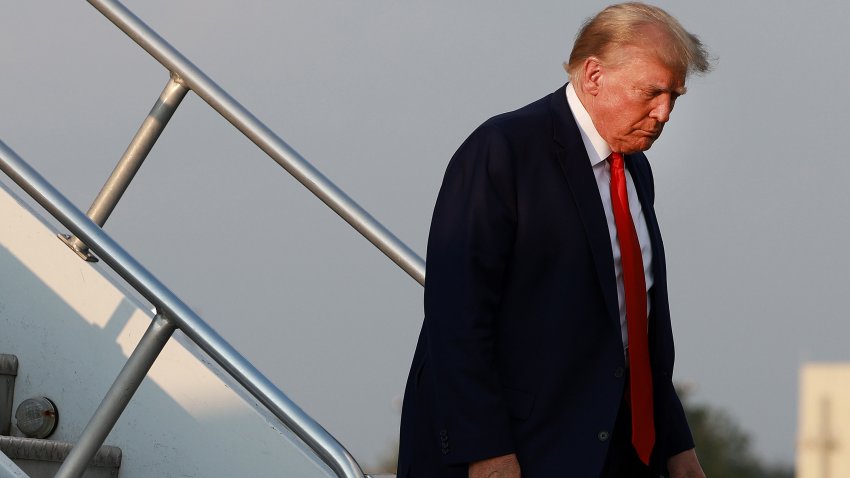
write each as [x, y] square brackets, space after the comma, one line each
[652, 93]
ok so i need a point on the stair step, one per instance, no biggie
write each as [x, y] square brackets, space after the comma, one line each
[8, 372]
[42, 458]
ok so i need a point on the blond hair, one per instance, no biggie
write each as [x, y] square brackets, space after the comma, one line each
[629, 24]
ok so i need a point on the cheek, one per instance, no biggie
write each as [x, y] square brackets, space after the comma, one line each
[624, 122]
[622, 117]
[625, 116]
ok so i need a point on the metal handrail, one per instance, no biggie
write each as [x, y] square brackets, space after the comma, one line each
[172, 313]
[263, 137]
[326, 447]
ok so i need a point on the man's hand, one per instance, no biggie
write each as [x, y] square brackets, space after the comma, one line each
[684, 465]
[505, 466]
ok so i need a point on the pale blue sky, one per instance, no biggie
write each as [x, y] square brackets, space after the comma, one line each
[750, 177]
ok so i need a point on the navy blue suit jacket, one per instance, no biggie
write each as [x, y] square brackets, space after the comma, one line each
[520, 350]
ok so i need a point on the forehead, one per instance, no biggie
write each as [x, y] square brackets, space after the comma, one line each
[642, 66]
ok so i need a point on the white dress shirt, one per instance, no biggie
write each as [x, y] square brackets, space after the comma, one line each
[598, 151]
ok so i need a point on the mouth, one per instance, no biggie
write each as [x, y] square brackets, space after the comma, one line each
[651, 131]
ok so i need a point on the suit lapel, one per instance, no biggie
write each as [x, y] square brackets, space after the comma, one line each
[641, 178]
[660, 308]
[575, 164]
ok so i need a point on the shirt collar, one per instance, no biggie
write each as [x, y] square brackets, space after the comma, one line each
[597, 149]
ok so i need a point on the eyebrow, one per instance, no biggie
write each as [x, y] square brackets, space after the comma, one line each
[659, 89]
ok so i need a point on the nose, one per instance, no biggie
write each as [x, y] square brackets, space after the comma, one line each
[663, 108]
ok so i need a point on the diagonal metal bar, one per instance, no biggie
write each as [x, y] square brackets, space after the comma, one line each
[131, 160]
[263, 137]
[8, 468]
[326, 447]
[118, 396]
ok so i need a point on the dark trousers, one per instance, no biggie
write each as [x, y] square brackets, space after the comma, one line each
[622, 460]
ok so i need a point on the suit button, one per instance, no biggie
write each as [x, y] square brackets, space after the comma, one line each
[603, 436]
[619, 372]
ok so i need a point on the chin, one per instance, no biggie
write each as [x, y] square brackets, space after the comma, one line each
[643, 145]
[635, 145]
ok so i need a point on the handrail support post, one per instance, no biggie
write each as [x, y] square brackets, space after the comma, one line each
[142, 143]
[118, 396]
[260, 134]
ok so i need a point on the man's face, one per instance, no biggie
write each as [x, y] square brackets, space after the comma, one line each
[634, 98]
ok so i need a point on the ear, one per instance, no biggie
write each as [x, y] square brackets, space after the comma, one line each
[591, 75]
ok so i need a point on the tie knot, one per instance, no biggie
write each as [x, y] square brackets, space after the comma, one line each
[616, 160]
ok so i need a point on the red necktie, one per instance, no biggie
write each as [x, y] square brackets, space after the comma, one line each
[640, 374]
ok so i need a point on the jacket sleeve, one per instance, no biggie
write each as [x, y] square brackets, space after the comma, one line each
[469, 250]
[679, 437]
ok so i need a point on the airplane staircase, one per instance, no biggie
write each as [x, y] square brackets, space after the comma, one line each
[54, 296]
[39, 457]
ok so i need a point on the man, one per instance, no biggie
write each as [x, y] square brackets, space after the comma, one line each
[546, 349]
